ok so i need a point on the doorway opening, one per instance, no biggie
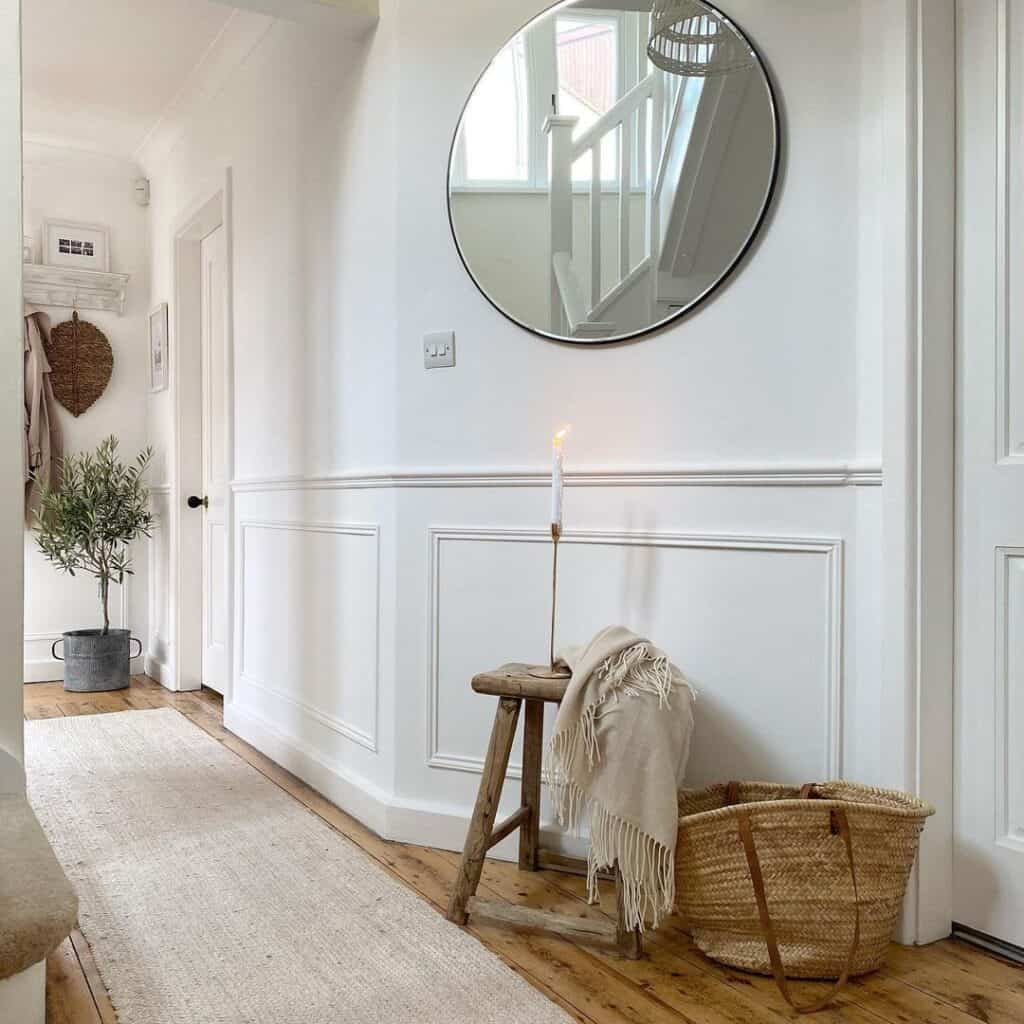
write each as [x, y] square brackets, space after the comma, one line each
[201, 394]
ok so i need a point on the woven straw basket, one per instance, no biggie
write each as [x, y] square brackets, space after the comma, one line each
[798, 883]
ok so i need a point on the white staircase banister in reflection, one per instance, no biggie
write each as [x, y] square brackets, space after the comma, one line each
[628, 117]
[573, 304]
[614, 116]
[559, 131]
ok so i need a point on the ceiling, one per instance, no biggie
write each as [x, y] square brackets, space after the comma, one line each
[99, 73]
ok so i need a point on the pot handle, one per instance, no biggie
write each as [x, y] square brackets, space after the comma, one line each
[53, 648]
[136, 640]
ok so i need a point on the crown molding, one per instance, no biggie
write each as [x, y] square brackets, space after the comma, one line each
[240, 35]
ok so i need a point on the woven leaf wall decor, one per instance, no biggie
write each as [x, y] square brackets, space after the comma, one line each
[81, 362]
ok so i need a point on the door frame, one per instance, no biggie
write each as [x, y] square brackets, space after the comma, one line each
[918, 454]
[209, 212]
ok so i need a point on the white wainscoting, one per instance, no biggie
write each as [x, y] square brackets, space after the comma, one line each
[42, 667]
[158, 646]
[771, 705]
[756, 618]
[309, 625]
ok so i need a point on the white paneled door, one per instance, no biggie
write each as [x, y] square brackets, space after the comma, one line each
[215, 483]
[989, 771]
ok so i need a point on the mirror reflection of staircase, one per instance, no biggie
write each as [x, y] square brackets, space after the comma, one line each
[677, 212]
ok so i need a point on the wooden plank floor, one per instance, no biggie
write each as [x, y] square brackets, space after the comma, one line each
[945, 983]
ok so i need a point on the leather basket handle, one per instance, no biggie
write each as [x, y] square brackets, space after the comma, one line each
[842, 823]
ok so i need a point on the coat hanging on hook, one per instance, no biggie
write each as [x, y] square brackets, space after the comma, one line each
[81, 363]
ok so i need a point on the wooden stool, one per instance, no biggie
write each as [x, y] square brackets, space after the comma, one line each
[512, 685]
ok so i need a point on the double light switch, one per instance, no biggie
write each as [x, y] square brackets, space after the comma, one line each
[439, 349]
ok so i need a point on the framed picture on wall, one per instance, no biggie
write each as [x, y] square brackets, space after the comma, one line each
[158, 348]
[68, 243]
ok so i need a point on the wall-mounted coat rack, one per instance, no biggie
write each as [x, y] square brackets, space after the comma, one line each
[74, 289]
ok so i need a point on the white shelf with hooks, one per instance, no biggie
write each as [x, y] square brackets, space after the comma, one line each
[73, 288]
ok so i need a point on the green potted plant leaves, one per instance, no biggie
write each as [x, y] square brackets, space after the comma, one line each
[86, 525]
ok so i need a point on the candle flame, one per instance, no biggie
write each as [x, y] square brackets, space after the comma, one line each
[560, 436]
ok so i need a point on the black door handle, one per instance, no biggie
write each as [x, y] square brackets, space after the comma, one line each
[197, 502]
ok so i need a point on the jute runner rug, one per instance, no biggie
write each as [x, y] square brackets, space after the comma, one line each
[210, 896]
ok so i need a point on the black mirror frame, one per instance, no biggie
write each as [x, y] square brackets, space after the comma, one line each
[726, 274]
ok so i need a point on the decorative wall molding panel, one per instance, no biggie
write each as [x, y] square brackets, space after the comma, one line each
[46, 668]
[667, 476]
[634, 578]
[1009, 372]
[71, 288]
[309, 611]
[122, 611]
[1009, 680]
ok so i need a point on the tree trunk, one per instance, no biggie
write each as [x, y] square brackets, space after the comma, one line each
[104, 595]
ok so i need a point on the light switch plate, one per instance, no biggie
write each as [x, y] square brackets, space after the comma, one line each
[439, 349]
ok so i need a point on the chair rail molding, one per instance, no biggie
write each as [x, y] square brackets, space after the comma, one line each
[367, 738]
[723, 475]
[831, 551]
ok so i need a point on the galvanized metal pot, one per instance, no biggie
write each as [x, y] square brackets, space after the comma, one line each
[94, 661]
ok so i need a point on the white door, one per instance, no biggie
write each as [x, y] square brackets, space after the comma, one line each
[989, 740]
[213, 336]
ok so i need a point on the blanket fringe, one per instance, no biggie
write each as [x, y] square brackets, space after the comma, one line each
[646, 866]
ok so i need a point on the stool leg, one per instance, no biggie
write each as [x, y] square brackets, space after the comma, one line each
[533, 755]
[478, 838]
[630, 940]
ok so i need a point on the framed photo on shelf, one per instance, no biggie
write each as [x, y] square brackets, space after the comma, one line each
[68, 243]
[158, 348]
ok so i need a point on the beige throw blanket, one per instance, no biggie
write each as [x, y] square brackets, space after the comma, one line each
[619, 750]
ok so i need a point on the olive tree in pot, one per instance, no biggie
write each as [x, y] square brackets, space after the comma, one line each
[86, 525]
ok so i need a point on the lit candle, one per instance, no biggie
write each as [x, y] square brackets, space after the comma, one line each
[557, 481]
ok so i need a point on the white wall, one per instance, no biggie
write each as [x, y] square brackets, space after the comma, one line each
[724, 519]
[12, 425]
[76, 185]
[305, 128]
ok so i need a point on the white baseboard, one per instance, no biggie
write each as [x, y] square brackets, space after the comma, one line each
[51, 670]
[43, 670]
[158, 670]
[388, 814]
[352, 793]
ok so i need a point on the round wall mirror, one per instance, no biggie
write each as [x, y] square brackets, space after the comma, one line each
[612, 165]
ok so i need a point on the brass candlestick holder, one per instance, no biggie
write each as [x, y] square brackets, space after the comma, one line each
[553, 671]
